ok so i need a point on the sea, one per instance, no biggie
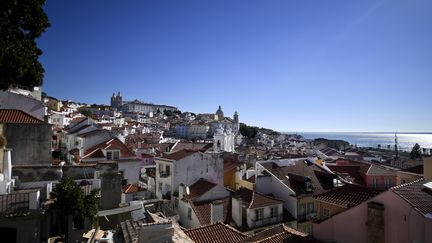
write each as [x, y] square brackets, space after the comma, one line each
[366, 139]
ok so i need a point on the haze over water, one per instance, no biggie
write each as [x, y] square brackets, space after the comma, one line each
[405, 140]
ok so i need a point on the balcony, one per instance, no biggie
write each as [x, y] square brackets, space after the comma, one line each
[19, 201]
[266, 221]
[307, 217]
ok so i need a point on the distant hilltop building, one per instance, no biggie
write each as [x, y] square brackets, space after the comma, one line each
[137, 106]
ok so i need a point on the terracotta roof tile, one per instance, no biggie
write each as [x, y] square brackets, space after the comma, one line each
[415, 194]
[256, 200]
[215, 233]
[131, 188]
[296, 173]
[17, 116]
[192, 146]
[179, 154]
[203, 210]
[380, 171]
[418, 169]
[112, 143]
[354, 171]
[198, 188]
[281, 234]
[348, 195]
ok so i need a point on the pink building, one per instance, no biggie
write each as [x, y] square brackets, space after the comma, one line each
[146, 159]
[366, 174]
[379, 177]
[401, 214]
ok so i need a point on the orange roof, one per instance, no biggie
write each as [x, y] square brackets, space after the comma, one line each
[179, 154]
[254, 199]
[110, 144]
[17, 116]
[348, 195]
[199, 188]
[130, 188]
[215, 233]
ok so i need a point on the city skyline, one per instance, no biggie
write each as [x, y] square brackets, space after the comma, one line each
[289, 66]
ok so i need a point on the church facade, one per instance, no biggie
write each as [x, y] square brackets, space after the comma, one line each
[137, 106]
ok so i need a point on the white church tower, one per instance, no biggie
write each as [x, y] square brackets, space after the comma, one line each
[223, 140]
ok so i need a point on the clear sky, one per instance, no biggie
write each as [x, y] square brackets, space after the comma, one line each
[306, 65]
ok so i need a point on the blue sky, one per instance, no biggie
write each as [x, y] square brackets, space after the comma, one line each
[310, 65]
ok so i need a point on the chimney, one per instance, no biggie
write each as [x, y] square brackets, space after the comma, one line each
[237, 213]
[427, 168]
[216, 211]
[7, 164]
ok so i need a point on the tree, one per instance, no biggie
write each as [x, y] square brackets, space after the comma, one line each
[247, 131]
[85, 112]
[21, 22]
[70, 200]
[416, 152]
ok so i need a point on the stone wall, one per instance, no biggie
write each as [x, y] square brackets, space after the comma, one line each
[30, 143]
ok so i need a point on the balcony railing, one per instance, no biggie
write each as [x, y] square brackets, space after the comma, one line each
[14, 202]
[307, 217]
[266, 221]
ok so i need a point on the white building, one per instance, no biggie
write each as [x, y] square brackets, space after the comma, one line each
[186, 167]
[203, 203]
[223, 140]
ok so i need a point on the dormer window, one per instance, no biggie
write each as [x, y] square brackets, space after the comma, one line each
[113, 155]
[308, 186]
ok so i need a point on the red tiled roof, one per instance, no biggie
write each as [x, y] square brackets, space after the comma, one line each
[199, 188]
[418, 169]
[215, 233]
[348, 195]
[179, 154]
[192, 146]
[112, 143]
[295, 175]
[203, 210]
[281, 234]
[131, 188]
[415, 194]
[256, 200]
[231, 162]
[17, 116]
[353, 171]
[380, 171]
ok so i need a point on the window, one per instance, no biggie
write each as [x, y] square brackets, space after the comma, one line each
[160, 168]
[274, 212]
[160, 187]
[259, 214]
[325, 212]
[374, 182]
[302, 210]
[116, 155]
[189, 213]
[310, 208]
[109, 155]
[167, 169]
[387, 182]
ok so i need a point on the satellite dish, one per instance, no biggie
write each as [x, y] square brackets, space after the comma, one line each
[2, 141]
[187, 190]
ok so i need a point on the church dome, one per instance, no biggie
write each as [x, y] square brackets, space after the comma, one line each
[219, 112]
